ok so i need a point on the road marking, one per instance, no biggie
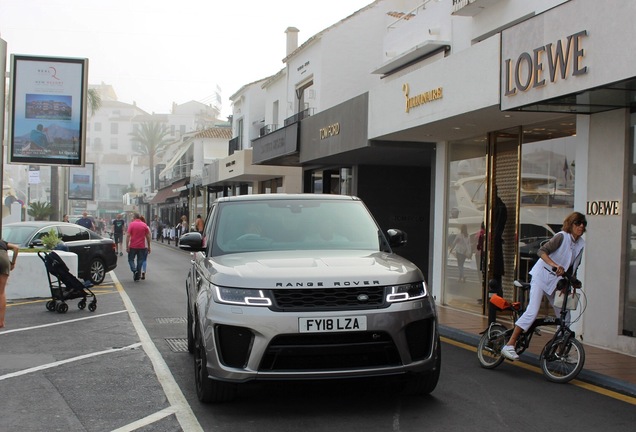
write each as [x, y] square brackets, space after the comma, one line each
[584, 385]
[152, 418]
[177, 400]
[70, 360]
[104, 289]
[61, 322]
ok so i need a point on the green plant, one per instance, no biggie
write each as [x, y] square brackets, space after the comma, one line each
[51, 239]
[40, 211]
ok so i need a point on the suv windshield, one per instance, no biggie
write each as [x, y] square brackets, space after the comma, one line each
[294, 225]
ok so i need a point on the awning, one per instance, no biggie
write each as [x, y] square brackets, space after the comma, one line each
[176, 158]
[172, 191]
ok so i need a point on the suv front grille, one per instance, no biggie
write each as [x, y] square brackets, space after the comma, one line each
[313, 352]
[329, 299]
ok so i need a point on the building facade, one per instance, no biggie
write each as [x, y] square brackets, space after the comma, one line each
[494, 115]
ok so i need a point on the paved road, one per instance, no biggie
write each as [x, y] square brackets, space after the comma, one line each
[125, 367]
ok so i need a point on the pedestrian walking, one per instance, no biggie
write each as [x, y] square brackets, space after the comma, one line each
[181, 229]
[198, 224]
[136, 240]
[86, 222]
[6, 266]
[119, 226]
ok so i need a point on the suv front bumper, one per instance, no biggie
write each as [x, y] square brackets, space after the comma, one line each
[255, 343]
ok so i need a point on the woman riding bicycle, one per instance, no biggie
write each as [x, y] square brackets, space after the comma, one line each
[563, 251]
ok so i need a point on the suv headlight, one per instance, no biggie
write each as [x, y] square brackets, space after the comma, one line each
[242, 296]
[412, 291]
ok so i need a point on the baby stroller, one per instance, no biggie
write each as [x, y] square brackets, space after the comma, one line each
[64, 286]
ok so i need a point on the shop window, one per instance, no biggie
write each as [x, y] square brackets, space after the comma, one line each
[466, 198]
[629, 304]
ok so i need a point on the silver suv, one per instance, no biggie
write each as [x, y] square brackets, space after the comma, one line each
[304, 287]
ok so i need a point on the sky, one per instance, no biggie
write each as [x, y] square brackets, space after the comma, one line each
[156, 52]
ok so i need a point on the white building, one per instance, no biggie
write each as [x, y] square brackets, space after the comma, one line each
[405, 101]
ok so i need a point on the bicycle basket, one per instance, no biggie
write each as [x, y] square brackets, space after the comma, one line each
[499, 302]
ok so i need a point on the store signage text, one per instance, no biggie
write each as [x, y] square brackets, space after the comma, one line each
[604, 208]
[329, 131]
[422, 98]
[563, 58]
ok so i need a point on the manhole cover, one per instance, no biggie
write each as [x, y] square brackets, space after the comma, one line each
[178, 344]
[174, 320]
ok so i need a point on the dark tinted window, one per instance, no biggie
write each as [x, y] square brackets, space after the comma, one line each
[72, 233]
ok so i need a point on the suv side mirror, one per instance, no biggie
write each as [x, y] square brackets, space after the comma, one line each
[396, 237]
[192, 241]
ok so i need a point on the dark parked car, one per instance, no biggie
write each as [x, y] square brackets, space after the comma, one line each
[95, 254]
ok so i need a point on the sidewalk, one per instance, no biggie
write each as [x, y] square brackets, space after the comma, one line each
[603, 368]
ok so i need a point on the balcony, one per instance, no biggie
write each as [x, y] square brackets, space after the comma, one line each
[234, 145]
[471, 7]
[267, 129]
[299, 116]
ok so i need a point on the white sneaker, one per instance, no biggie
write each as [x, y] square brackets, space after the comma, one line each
[508, 351]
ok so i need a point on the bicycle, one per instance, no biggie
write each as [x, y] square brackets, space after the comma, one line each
[561, 359]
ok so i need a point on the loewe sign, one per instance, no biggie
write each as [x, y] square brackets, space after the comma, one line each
[604, 208]
[563, 58]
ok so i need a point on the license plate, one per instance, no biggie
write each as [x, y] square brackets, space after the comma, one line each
[332, 324]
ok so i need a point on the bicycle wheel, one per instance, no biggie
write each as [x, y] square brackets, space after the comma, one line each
[561, 364]
[489, 347]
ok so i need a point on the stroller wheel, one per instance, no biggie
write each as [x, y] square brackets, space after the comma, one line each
[50, 305]
[62, 308]
[92, 306]
[81, 304]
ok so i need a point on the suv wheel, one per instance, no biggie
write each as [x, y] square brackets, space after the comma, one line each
[208, 390]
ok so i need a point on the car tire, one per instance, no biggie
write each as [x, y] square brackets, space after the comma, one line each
[209, 390]
[97, 271]
[423, 383]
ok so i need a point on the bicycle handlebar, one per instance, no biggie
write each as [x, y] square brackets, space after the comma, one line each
[573, 280]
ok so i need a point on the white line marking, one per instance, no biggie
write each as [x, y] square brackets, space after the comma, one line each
[178, 402]
[70, 360]
[60, 323]
[147, 420]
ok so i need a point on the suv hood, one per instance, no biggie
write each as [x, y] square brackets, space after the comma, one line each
[310, 269]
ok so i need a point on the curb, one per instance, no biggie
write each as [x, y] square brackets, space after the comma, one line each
[587, 376]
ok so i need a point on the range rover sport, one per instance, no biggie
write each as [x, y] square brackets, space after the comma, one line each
[304, 286]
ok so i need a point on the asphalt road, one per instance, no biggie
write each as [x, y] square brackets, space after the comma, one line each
[125, 367]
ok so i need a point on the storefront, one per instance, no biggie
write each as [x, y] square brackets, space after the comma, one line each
[171, 202]
[393, 179]
[529, 125]
[576, 58]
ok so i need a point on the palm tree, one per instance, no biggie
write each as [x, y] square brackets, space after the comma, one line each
[151, 139]
[94, 101]
[40, 211]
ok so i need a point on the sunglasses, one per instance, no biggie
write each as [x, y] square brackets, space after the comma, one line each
[584, 223]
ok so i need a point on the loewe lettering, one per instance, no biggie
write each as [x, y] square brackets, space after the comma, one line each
[528, 70]
[604, 208]
[422, 98]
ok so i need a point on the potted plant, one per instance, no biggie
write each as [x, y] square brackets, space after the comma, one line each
[51, 240]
